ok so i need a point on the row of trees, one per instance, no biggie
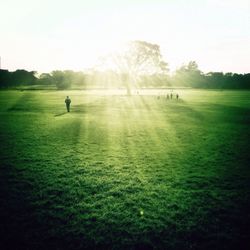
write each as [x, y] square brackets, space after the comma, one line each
[60, 79]
[183, 77]
[139, 65]
[190, 76]
[18, 77]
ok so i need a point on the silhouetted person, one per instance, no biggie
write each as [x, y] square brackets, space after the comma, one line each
[177, 96]
[68, 101]
[171, 95]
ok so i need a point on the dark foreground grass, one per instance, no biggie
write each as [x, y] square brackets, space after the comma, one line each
[124, 172]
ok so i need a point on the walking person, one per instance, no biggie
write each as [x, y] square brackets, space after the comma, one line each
[68, 101]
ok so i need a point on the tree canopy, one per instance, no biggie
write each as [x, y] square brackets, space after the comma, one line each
[140, 58]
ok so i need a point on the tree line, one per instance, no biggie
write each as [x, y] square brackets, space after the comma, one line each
[186, 76]
[139, 65]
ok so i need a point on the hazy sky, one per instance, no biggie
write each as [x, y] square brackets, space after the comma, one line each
[45, 35]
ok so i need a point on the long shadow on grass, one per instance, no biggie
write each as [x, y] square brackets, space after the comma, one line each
[181, 107]
[22, 103]
[63, 113]
[232, 114]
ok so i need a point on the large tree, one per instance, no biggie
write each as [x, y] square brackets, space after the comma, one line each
[140, 58]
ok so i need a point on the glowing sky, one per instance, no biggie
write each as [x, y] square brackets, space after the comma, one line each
[45, 35]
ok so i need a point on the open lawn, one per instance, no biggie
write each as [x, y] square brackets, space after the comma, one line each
[121, 172]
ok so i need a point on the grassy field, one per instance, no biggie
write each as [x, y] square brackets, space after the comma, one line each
[121, 172]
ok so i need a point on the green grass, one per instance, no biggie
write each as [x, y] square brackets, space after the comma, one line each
[123, 172]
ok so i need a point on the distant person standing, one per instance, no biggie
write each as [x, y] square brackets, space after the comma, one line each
[171, 96]
[68, 101]
[177, 96]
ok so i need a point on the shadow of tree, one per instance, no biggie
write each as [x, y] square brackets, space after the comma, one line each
[22, 104]
[228, 113]
[182, 107]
